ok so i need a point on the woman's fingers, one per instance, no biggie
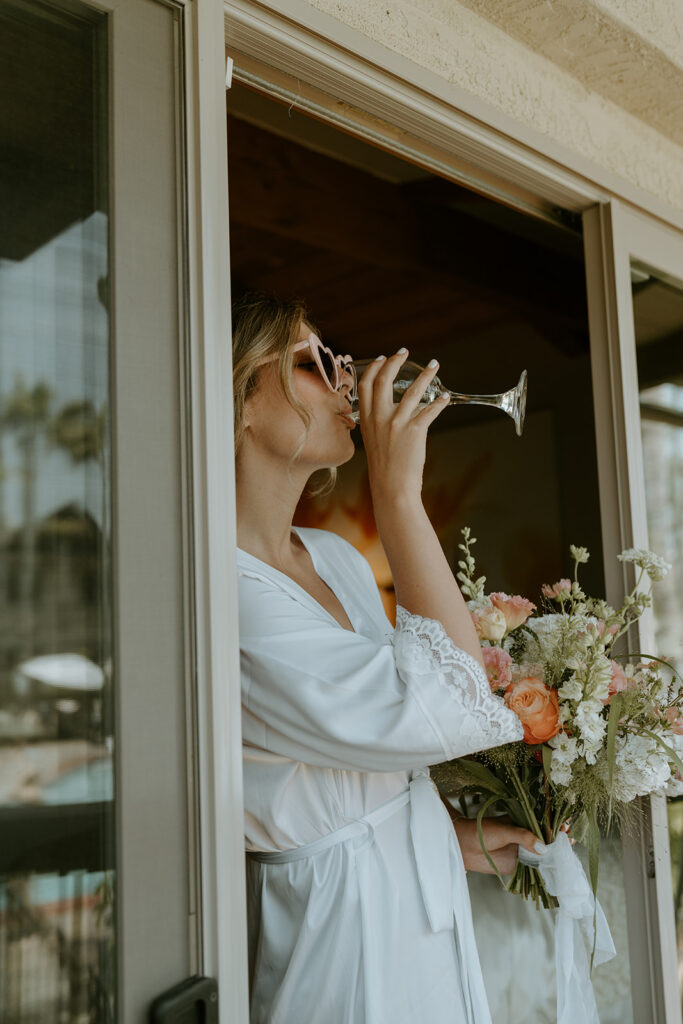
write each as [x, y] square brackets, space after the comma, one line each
[366, 385]
[427, 415]
[505, 860]
[503, 835]
[411, 398]
[383, 383]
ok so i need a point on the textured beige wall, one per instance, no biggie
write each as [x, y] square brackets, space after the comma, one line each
[602, 77]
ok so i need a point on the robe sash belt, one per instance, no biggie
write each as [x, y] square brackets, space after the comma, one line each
[564, 877]
[444, 893]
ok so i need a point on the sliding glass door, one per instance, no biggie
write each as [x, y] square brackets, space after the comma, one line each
[634, 269]
[99, 861]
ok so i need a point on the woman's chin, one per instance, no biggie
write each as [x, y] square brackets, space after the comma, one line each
[350, 452]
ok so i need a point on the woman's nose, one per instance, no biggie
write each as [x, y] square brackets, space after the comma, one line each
[348, 381]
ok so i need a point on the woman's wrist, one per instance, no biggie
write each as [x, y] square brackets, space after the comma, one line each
[395, 499]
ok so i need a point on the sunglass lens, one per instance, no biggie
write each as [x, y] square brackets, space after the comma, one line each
[328, 365]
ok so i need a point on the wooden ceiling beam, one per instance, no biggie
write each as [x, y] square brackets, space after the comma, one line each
[280, 188]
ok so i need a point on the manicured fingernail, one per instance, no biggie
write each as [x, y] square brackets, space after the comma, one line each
[433, 363]
[401, 351]
[539, 847]
[379, 359]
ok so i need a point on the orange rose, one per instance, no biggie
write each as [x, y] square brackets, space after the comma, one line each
[537, 707]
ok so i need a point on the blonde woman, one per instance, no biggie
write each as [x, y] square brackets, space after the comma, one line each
[358, 910]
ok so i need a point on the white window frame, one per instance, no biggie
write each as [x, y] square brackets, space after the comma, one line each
[289, 50]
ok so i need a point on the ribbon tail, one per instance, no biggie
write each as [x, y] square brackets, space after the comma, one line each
[564, 877]
[575, 995]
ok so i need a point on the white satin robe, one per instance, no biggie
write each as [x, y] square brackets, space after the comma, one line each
[372, 925]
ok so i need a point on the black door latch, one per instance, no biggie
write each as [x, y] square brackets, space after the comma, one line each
[194, 1001]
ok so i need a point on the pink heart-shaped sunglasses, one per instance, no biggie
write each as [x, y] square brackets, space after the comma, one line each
[332, 368]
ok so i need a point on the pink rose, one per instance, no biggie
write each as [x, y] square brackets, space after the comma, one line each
[600, 627]
[618, 682]
[489, 623]
[675, 720]
[497, 662]
[563, 588]
[516, 609]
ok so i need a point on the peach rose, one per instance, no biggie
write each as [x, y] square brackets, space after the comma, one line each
[537, 707]
[497, 662]
[563, 587]
[516, 609]
[489, 623]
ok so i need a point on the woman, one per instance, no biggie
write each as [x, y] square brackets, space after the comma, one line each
[358, 909]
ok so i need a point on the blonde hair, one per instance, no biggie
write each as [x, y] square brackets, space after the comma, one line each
[263, 325]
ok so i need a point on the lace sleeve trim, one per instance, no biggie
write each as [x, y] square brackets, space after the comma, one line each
[423, 642]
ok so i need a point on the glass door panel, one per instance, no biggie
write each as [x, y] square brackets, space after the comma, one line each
[658, 325]
[98, 820]
[57, 862]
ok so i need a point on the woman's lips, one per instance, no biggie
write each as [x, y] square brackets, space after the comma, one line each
[348, 419]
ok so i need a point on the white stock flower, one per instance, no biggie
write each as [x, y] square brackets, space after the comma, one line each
[571, 689]
[601, 677]
[579, 554]
[654, 565]
[565, 752]
[592, 727]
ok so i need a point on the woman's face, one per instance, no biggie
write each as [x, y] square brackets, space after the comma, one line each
[275, 428]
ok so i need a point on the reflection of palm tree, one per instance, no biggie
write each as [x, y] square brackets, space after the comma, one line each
[25, 413]
[80, 429]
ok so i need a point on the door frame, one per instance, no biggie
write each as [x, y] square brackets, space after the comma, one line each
[348, 81]
[218, 741]
[180, 845]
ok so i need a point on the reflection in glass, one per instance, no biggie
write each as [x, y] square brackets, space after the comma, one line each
[658, 320]
[56, 723]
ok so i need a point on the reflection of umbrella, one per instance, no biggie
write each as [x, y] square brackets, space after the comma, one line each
[62, 671]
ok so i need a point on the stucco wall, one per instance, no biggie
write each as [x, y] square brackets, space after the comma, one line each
[603, 77]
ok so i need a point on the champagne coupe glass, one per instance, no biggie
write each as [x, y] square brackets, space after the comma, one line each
[513, 402]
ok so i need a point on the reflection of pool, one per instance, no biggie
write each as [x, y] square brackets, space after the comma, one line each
[89, 782]
[44, 889]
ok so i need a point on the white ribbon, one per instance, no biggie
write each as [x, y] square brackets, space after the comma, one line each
[564, 877]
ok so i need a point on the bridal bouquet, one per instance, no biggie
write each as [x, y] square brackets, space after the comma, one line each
[599, 728]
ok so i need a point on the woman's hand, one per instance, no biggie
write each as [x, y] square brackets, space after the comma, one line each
[395, 433]
[502, 841]
[500, 836]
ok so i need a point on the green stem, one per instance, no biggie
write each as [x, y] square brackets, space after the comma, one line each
[525, 803]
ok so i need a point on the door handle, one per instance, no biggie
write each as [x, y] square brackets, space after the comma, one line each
[193, 1001]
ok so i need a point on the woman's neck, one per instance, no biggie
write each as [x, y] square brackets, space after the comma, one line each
[267, 497]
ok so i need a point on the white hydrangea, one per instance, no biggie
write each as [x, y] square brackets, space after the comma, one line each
[654, 565]
[674, 787]
[565, 752]
[545, 627]
[641, 766]
[592, 726]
